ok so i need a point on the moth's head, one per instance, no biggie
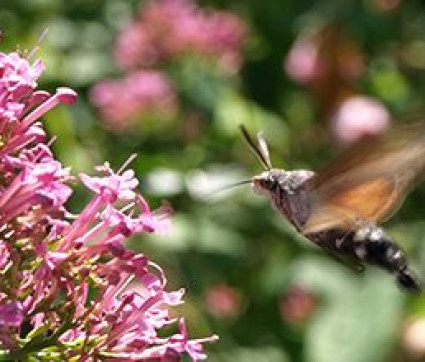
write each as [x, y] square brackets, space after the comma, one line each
[268, 181]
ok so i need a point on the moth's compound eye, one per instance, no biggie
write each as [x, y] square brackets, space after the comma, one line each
[260, 183]
[269, 183]
[264, 183]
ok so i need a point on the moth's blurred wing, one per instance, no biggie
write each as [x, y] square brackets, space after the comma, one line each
[370, 201]
[369, 182]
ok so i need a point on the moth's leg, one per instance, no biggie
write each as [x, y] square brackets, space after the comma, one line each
[332, 245]
[351, 264]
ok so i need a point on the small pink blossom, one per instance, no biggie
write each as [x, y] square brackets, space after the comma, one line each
[112, 186]
[38, 184]
[16, 72]
[113, 225]
[11, 314]
[180, 343]
[148, 221]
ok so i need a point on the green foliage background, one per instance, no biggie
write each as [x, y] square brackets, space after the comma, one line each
[235, 238]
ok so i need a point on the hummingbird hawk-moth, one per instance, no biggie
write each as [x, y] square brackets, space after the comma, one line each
[340, 208]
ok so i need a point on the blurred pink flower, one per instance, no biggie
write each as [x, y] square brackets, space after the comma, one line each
[358, 116]
[302, 63]
[386, 5]
[297, 305]
[121, 102]
[68, 285]
[223, 301]
[187, 29]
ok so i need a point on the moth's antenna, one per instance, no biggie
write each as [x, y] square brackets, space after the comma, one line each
[264, 149]
[261, 150]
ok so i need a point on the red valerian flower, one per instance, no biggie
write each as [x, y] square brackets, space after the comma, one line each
[70, 289]
[188, 29]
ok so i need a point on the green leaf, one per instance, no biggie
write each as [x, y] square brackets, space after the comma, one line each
[359, 325]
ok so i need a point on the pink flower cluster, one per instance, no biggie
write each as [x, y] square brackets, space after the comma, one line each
[164, 31]
[169, 28]
[69, 288]
[139, 94]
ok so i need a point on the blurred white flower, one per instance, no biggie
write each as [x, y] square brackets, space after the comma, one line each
[165, 182]
[214, 183]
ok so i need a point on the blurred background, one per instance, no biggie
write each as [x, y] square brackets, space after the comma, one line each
[171, 80]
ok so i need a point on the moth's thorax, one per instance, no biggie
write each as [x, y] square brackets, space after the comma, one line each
[286, 191]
